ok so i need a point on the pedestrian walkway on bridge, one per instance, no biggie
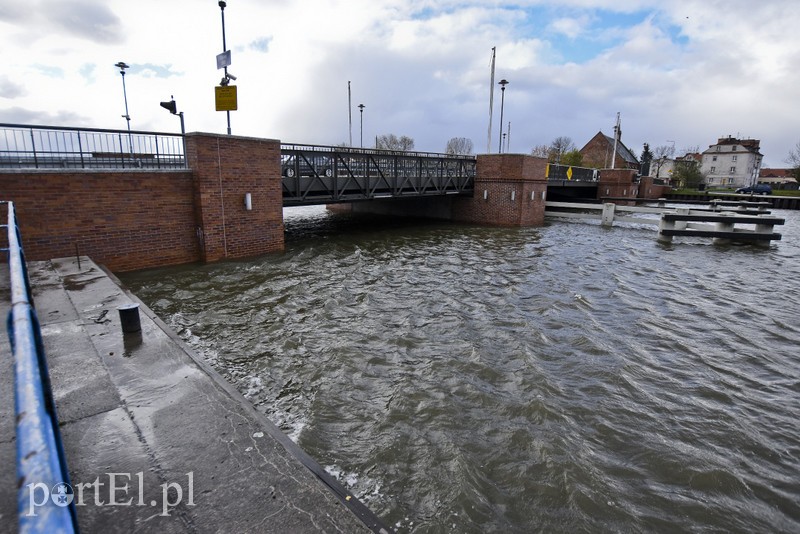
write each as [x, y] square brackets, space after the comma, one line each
[149, 426]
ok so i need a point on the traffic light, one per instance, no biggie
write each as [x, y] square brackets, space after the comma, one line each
[171, 106]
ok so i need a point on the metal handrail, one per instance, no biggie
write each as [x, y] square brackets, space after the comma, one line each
[56, 147]
[373, 151]
[41, 463]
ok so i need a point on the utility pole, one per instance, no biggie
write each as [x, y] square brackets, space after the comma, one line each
[491, 103]
[616, 141]
[350, 112]
[361, 108]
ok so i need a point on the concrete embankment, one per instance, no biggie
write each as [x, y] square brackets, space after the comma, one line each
[156, 440]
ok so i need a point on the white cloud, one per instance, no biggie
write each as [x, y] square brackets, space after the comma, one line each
[688, 71]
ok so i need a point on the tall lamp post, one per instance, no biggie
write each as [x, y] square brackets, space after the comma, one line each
[122, 66]
[502, 84]
[222, 5]
[361, 109]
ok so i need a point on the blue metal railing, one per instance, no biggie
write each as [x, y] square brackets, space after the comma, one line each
[56, 147]
[41, 464]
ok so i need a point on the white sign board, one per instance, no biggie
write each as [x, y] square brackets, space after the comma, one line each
[224, 59]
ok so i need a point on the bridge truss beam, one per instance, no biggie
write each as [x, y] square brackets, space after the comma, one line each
[326, 175]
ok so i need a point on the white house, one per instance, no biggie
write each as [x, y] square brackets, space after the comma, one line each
[732, 162]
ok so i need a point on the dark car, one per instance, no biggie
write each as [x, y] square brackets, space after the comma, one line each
[758, 189]
[319, 166]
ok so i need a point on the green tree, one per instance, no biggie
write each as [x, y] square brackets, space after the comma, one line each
[687, 174]
[573, 158]
[646, 158]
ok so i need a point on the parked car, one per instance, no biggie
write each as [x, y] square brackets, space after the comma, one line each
[758, 189]
[320, 166]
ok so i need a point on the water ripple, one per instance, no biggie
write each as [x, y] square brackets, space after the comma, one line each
[565, 378]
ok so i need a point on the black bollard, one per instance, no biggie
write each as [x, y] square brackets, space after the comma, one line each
[129, 317]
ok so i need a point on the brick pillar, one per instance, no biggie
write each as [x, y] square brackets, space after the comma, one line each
[617, 183]
[650, 190]
[510, 190]
[225, 169]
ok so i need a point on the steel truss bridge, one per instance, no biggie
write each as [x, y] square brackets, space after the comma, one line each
[324, 174]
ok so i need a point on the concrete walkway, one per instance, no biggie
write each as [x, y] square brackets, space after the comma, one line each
[144, 419]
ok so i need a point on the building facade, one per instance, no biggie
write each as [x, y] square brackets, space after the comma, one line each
[599, 153]
[732, 162]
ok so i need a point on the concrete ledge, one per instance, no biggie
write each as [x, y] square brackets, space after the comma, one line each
[145, 413]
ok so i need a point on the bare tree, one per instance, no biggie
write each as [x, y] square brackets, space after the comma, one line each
[541, 151]
[459, 145]
[794, 160]
[661, 154]
[560, 146]
[392, 142]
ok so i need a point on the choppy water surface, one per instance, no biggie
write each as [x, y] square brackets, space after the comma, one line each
[568, 378]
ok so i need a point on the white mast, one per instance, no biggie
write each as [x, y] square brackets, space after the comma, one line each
[350, 111]
[491, 104]
[616, 140]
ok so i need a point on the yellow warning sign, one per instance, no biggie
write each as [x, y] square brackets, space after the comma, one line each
[225, 97]
[569, 173]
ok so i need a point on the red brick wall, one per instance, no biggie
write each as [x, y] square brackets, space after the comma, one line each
[597, 152]
[125, 220]
[134, 219]
[225, 169]
[617, 183]
[648, 189]
[500, 175]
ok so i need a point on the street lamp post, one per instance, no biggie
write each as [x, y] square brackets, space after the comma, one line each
[172, 107]
[502, 84]
[361, 109]
[222, 5]
[122, 66]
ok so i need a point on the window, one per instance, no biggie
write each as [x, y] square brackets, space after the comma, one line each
[733, 170]
[734, 158]
[713, 170]
[730, 181]
[714, 158]
[734, 148]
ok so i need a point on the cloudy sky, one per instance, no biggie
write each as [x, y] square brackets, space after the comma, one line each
[678, 71]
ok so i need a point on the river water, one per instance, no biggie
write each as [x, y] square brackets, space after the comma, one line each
[568, 378]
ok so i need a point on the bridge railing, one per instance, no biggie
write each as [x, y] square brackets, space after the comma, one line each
[41, 463]
[320, 174]
[54, 147]
[559, 173]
